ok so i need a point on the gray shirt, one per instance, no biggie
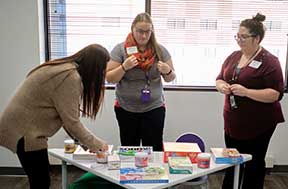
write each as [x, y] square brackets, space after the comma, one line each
[128, 90]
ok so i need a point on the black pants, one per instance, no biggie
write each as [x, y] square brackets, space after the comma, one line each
[36, 166]
[252, 174]
[144, 127]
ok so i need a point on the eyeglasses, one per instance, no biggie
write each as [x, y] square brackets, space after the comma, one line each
[146, 32]
[242, 37]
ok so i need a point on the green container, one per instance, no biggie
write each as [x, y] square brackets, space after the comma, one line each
[89, 180]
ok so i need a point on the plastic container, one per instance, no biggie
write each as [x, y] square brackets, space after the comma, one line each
[69, 146]
[141, 159]
[102, 157]
[203, 160]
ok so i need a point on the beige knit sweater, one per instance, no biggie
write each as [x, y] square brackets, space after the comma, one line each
[47, 100]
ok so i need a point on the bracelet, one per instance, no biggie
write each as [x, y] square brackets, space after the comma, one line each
[169, 72]
[123, 68]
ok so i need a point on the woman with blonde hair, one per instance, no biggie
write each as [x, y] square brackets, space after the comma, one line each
[137, 66]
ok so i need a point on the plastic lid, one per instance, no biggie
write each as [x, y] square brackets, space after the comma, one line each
[69, 141]
[204, 155]
[141, 154]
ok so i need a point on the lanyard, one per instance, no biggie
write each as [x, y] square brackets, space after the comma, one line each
[147, 79]
[237, 70]
[236, 73]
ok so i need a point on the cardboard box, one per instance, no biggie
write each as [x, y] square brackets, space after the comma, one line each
[226, 156]
[180, 149]
[114, 162]
[80, 153]
[127, 153]
[180, 165]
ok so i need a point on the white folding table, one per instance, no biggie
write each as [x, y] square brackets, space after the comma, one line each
[101, 170]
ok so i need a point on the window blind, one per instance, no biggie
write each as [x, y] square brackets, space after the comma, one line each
[199, 33]
[73, 24]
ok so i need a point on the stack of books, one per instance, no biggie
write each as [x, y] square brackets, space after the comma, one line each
[226, 156]
[143, 175]
[180, 165]
[181, 149]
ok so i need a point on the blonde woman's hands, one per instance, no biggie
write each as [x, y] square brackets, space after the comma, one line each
[130, 62]
[163, 68]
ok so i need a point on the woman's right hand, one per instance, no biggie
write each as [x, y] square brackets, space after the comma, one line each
[224, 88]
[130, 62]
[104, 148]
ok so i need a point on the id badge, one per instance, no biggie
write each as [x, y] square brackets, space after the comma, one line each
[233, 102]
[145, 95]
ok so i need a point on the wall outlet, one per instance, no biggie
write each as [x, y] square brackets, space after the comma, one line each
[269, 160]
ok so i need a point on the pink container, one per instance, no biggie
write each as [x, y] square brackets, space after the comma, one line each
[141, 159]
[203, 160]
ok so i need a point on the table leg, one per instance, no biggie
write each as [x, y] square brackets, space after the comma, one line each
[236, 176]
[64, 175]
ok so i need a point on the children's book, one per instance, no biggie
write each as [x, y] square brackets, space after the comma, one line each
[127, 153]
[180, 165]
[157, 174]
[181, 149]
[226, 156]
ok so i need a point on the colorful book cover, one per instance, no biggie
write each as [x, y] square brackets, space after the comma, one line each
[181, 149]
[127, 153]
[143, 175]
[180, 165]
[226, 156]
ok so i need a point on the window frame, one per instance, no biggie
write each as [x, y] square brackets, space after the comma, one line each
[168, 87]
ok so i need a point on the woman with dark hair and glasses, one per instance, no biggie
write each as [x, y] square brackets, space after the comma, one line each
[137, 66]
[48, 99]
[252, 82]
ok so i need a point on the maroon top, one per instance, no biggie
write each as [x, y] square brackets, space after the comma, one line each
[252, 118]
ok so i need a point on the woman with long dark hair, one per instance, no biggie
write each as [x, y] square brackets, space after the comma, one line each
[50, 98]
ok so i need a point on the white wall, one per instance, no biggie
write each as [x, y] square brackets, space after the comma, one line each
[199, 112]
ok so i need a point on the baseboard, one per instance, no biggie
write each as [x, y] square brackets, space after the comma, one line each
[14, 171]
[279, 169]
[11, 171]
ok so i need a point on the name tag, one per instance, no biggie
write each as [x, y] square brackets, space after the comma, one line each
[132, 50]
[255, 64]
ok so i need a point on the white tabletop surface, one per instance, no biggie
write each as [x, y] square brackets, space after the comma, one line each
[113, 175]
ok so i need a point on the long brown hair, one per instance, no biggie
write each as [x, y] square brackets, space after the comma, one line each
[145, 17]
[91, 61]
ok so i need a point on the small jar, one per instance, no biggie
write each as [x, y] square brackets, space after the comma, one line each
[69, 146]
[102, 157]
[141, 159]
[203, 160]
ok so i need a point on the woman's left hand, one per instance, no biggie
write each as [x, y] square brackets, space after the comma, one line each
[238, 90]
[163, 67]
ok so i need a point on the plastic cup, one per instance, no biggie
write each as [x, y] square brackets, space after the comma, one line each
[69, 146]
[203, 160]
[141, 159]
